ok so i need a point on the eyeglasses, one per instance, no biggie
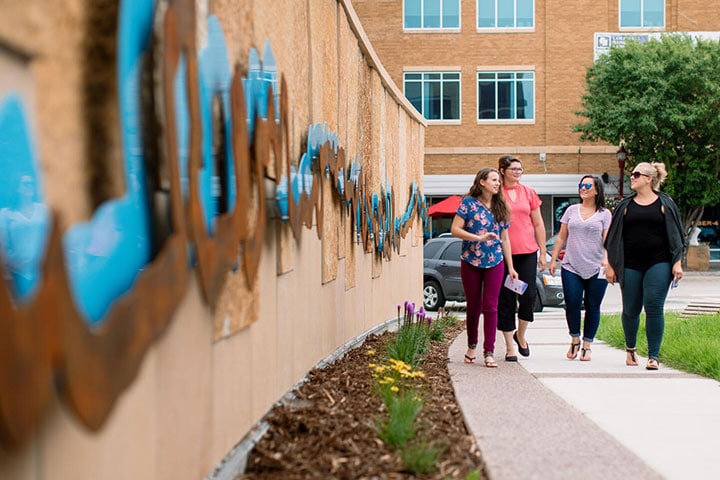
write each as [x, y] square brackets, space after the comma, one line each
[637, 175]
[586, 186]
[515, 169]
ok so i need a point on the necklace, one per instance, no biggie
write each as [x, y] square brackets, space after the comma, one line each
[481, 200]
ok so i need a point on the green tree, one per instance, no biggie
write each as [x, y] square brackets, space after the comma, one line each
[662, 98]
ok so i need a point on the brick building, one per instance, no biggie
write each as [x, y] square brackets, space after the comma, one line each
[497, 77]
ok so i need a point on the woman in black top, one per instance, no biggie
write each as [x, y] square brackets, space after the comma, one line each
[645, 245]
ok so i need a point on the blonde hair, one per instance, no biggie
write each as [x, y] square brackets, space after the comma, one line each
[656, 170]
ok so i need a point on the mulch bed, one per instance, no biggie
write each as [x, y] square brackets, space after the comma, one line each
[328, 429]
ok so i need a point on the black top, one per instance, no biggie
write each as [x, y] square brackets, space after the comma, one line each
[646, 240]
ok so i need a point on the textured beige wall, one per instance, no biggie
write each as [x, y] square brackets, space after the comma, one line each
[195, 396]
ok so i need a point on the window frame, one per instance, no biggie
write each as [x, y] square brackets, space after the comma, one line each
[507, 70]
[642, 27]
[434, 71]
[495, 28]
[423, 29]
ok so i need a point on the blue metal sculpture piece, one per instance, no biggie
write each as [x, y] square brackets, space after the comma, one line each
[24, 218]
[105, 255]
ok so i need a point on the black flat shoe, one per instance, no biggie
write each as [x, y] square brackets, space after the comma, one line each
[524, 351]
[511, 358]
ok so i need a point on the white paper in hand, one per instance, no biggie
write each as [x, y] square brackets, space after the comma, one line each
[517, 286]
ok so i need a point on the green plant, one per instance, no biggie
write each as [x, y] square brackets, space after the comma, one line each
[410, 344]
[398, 389]
[421, 456]
[438, 327]
[400, 427]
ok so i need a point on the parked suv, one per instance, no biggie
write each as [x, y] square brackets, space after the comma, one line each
[442, 283]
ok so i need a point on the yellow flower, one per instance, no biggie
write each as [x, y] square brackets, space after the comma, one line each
[371, 352]
[394, 389]
[399, 364]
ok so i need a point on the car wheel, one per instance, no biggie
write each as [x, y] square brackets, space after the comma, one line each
[537, 304]
[433, 297]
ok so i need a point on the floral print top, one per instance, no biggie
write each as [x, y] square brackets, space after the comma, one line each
[478, 219]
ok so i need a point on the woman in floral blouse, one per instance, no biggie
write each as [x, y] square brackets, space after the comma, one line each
[481, 221]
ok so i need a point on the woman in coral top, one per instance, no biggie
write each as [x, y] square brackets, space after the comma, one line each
[527, 237]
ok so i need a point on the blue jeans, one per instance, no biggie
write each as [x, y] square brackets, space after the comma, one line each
[575, 289]
[646, 289]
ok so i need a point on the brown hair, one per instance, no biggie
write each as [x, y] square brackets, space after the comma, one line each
[504, 162]
[498, 206]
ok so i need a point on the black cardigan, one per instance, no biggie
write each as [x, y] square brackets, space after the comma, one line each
[614, 240]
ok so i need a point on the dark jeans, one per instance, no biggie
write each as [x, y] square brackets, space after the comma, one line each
[510, 302]
[575, 289]
[482, 286]
[645, 289]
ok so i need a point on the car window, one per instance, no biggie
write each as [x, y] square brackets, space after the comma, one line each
[453, 252]
[431, 249]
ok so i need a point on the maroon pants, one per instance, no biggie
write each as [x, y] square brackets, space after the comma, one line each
[482, 289]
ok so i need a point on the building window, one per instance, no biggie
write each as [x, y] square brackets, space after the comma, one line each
[505, 13]
[642, 13]
[431, 14]
[434, 94]
[506, 95]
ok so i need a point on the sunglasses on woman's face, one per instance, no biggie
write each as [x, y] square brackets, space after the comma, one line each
[586, 186]
[637, 175]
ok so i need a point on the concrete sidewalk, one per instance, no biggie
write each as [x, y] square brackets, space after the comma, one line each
[547, 417]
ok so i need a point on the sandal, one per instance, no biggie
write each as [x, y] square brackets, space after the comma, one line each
[573, 352]
[652, 364]
[585, 354]
[631, 359]
[469, 359]
[489, 360]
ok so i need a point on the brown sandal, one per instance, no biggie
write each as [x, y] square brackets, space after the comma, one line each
[652, 364]
[489, 360]
[573, 352]
[632, 361]
[585, 354]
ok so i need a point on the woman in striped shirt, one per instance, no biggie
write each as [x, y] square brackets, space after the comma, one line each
[584, 227]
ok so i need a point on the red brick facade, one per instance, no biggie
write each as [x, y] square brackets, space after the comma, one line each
[558, 49]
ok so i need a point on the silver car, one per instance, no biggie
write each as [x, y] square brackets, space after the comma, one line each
[442, 283]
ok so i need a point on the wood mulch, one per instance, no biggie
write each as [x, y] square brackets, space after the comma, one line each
[328, 430]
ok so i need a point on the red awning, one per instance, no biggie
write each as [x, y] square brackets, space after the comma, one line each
[446, 208]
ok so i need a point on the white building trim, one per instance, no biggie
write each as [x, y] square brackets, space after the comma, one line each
[544, 184]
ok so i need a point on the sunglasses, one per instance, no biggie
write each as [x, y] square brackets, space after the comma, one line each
[586, 186]
[637, 175]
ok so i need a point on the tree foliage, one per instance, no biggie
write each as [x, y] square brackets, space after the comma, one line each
[662, 98]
